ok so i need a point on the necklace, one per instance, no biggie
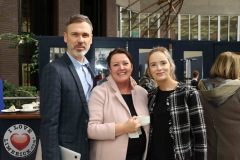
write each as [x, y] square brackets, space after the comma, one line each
[125, 91]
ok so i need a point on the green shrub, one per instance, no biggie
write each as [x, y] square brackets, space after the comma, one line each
[11, 90]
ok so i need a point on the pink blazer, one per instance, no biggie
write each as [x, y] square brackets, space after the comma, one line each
[107, 107]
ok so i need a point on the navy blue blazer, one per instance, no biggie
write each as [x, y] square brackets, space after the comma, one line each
[63, 109]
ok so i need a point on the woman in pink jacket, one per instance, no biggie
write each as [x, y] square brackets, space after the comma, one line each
[115, 129]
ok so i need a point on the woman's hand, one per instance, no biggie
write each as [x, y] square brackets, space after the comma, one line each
[131, 125]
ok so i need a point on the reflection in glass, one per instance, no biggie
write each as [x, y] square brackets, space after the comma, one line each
[56, 52]
[192, 61]
[101, 67]
[142, 61]
[213, 28]
[224, 28]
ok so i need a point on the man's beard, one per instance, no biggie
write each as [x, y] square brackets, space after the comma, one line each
[81, 53]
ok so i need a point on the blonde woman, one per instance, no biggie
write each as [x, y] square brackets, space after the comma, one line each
[177, 128]
[220, 97]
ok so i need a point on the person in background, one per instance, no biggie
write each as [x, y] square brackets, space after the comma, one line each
[195, 79]
[177, 128]
[65, 88]
[220, 96]
[114, 127]
[148, 83]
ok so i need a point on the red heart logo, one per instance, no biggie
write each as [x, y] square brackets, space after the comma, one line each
[20, 141]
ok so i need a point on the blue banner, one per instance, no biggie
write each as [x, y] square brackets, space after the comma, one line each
[1, 95]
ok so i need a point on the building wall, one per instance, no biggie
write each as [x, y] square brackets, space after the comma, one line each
[65, 10]
[219, 7]
[68, 8]
[136, 7]
[9, 65]
[111, 18]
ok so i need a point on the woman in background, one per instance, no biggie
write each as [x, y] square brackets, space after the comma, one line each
[147, 82]
[177, 128]
[220, 98]
[115, 130]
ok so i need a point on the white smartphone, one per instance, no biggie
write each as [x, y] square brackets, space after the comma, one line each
[68, 154]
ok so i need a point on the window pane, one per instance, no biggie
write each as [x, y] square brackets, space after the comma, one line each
[153, 24]
[233, 28]
[56, 52]
[125, 23]
[194, 27]
[163, 32]
[134, 24]
[26, 74]
[142, 61]
[25, 16]
[144, 25]
[101, 67]
[174, 28]
[224, 28]
[184, 27]
[213, 28]
[204, 27]
[193, 61]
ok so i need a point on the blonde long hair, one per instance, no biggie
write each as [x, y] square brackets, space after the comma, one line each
[226, 66]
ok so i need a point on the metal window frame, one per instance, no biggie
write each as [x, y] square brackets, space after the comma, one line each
[179, 27]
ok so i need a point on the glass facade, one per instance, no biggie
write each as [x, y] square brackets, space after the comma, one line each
[153, 26]
[224, 28]
[144, 24]
[233, 28]
[204, 28]
[125, 23]
[194, 27]
[213, 28]
[185, 24]
[183, 27]
[134, 25]
[173, 31]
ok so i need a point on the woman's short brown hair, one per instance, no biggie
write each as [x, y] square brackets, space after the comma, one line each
[226, 66]
[119, 51]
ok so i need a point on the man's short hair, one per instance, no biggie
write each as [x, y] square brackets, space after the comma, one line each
[195, 74]
[79, 18]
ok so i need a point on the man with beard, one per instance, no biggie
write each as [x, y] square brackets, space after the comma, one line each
[65, 87]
